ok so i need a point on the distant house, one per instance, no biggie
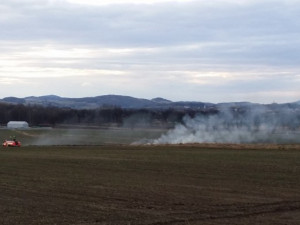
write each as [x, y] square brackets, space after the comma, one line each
[17, 125]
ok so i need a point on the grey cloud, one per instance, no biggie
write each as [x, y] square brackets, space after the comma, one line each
[201, 36]
[157, 24]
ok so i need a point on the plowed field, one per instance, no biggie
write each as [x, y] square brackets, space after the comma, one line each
[122, 184]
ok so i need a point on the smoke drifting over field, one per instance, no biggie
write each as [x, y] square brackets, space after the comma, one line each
[237, 125]
[61, 137]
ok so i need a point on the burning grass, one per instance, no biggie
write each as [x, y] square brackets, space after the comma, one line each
[178, 184]
[233, 146]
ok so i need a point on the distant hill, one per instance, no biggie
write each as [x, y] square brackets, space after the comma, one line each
[103, 101]
[83, 103]
[123, 102]
[161, 101]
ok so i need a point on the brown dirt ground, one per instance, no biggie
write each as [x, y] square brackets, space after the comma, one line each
[150, 185]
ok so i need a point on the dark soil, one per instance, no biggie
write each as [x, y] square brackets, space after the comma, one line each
[154, 185]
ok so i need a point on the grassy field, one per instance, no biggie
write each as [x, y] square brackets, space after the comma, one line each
[73, 136]
[122, 184]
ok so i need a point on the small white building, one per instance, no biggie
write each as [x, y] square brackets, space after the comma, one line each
[17, 125]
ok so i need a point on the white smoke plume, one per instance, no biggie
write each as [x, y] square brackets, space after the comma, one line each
[233, 125]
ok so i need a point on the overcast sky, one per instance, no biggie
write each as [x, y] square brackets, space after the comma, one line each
[212, 51]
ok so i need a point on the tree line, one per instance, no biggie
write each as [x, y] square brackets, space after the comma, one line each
[37, 115]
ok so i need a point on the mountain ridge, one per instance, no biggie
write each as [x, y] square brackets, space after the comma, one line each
[122, 102]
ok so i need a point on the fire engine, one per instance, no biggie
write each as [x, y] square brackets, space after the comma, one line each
[11, 143]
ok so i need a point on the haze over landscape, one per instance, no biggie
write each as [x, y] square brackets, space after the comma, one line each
[183, 50]
[181, 112]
